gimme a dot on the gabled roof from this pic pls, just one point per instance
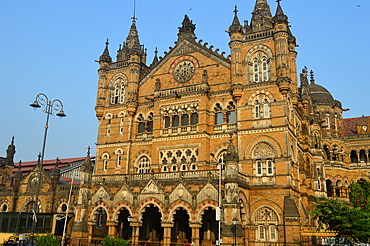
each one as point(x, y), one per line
point(350, 124)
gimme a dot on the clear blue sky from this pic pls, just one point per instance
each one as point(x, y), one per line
point(50, 46)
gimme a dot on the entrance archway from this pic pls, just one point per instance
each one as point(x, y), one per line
point(124, 228)
point(100, 227)
point(151, 228)
point(181, 231)
point(209, 232)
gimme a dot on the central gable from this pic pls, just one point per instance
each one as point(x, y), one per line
point(187, 64)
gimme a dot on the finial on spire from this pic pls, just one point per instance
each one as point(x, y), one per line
point(134, 17)
point(312, 76)
point(236, 9)
point(278, 1)
point(107, 42)
point(88, 151)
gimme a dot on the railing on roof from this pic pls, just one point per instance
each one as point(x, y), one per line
point(165, 176)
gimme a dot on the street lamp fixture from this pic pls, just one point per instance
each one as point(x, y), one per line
point(235, 223)
point(219, 209)
point(129, 218)
point(50, 106)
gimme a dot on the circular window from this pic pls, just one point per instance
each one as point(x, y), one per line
point(184, 71)
point(4, 208)
point(64, 208)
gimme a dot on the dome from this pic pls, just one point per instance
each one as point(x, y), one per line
point(320, 95)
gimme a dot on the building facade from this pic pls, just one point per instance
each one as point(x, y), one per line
point(195, 133)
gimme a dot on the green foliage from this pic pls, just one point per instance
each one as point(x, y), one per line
point(351, 221)
point(111, 241)
point(47, 240)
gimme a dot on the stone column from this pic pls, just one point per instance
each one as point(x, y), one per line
point(90, 225)
point(195, 229)
point(167, 233)
point(112, 228)
point(135, 232)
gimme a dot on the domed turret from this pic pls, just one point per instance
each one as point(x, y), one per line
point(320, 95)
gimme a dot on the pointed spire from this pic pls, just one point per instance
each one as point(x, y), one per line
point(55, 173)
point(231, 154)
point(10, 153)
point(87, 166)
point(280, 17)
point(155, 59)
point(312, 76)
point(105, 57)
point(187, 29)
point(235, 26)
point(39, 160)
point(261, 16)
point(18, 173)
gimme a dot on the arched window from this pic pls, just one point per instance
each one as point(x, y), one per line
point(175, 121)
point(141, 125)
point(363, 156)
point(354, 157)
point(118, 92)
point(150, 122)
point(266, 221)
point(194, 119)
point(231, 113)
point(105, 162)
point(260, 68)
point(184, 120)
point(219, 115)
point(144, 165)
point(261, 107)
point(30, 207)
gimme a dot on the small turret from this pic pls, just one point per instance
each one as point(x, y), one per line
point(87, 169)
point(235, 25)
point(10, 153)
point(155, 59)
point(105, 57)
point(280, 17)
point(55, 172)
point(186, 31)
point(18, 176)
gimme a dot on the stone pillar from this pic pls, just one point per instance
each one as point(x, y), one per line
point(112, 228)
point(135, 232)
point(195, 229)
point(90, 225)
point(167, 233)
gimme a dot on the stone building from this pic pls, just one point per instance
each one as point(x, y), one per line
point(171, 132)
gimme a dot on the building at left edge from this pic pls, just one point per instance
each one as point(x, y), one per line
point(18, 185)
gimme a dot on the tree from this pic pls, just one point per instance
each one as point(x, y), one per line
point(47, 240)
point(351, 220)
point(111, 241)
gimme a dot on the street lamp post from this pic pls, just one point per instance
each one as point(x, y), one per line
point(50, 106)
point(219, 210)
point(235, 222)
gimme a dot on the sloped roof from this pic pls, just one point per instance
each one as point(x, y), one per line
point(47, 164)
point(350, 124)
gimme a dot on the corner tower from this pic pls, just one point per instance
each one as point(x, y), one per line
point(117, 96)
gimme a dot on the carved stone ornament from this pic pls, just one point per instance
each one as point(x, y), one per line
point(263, 150)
